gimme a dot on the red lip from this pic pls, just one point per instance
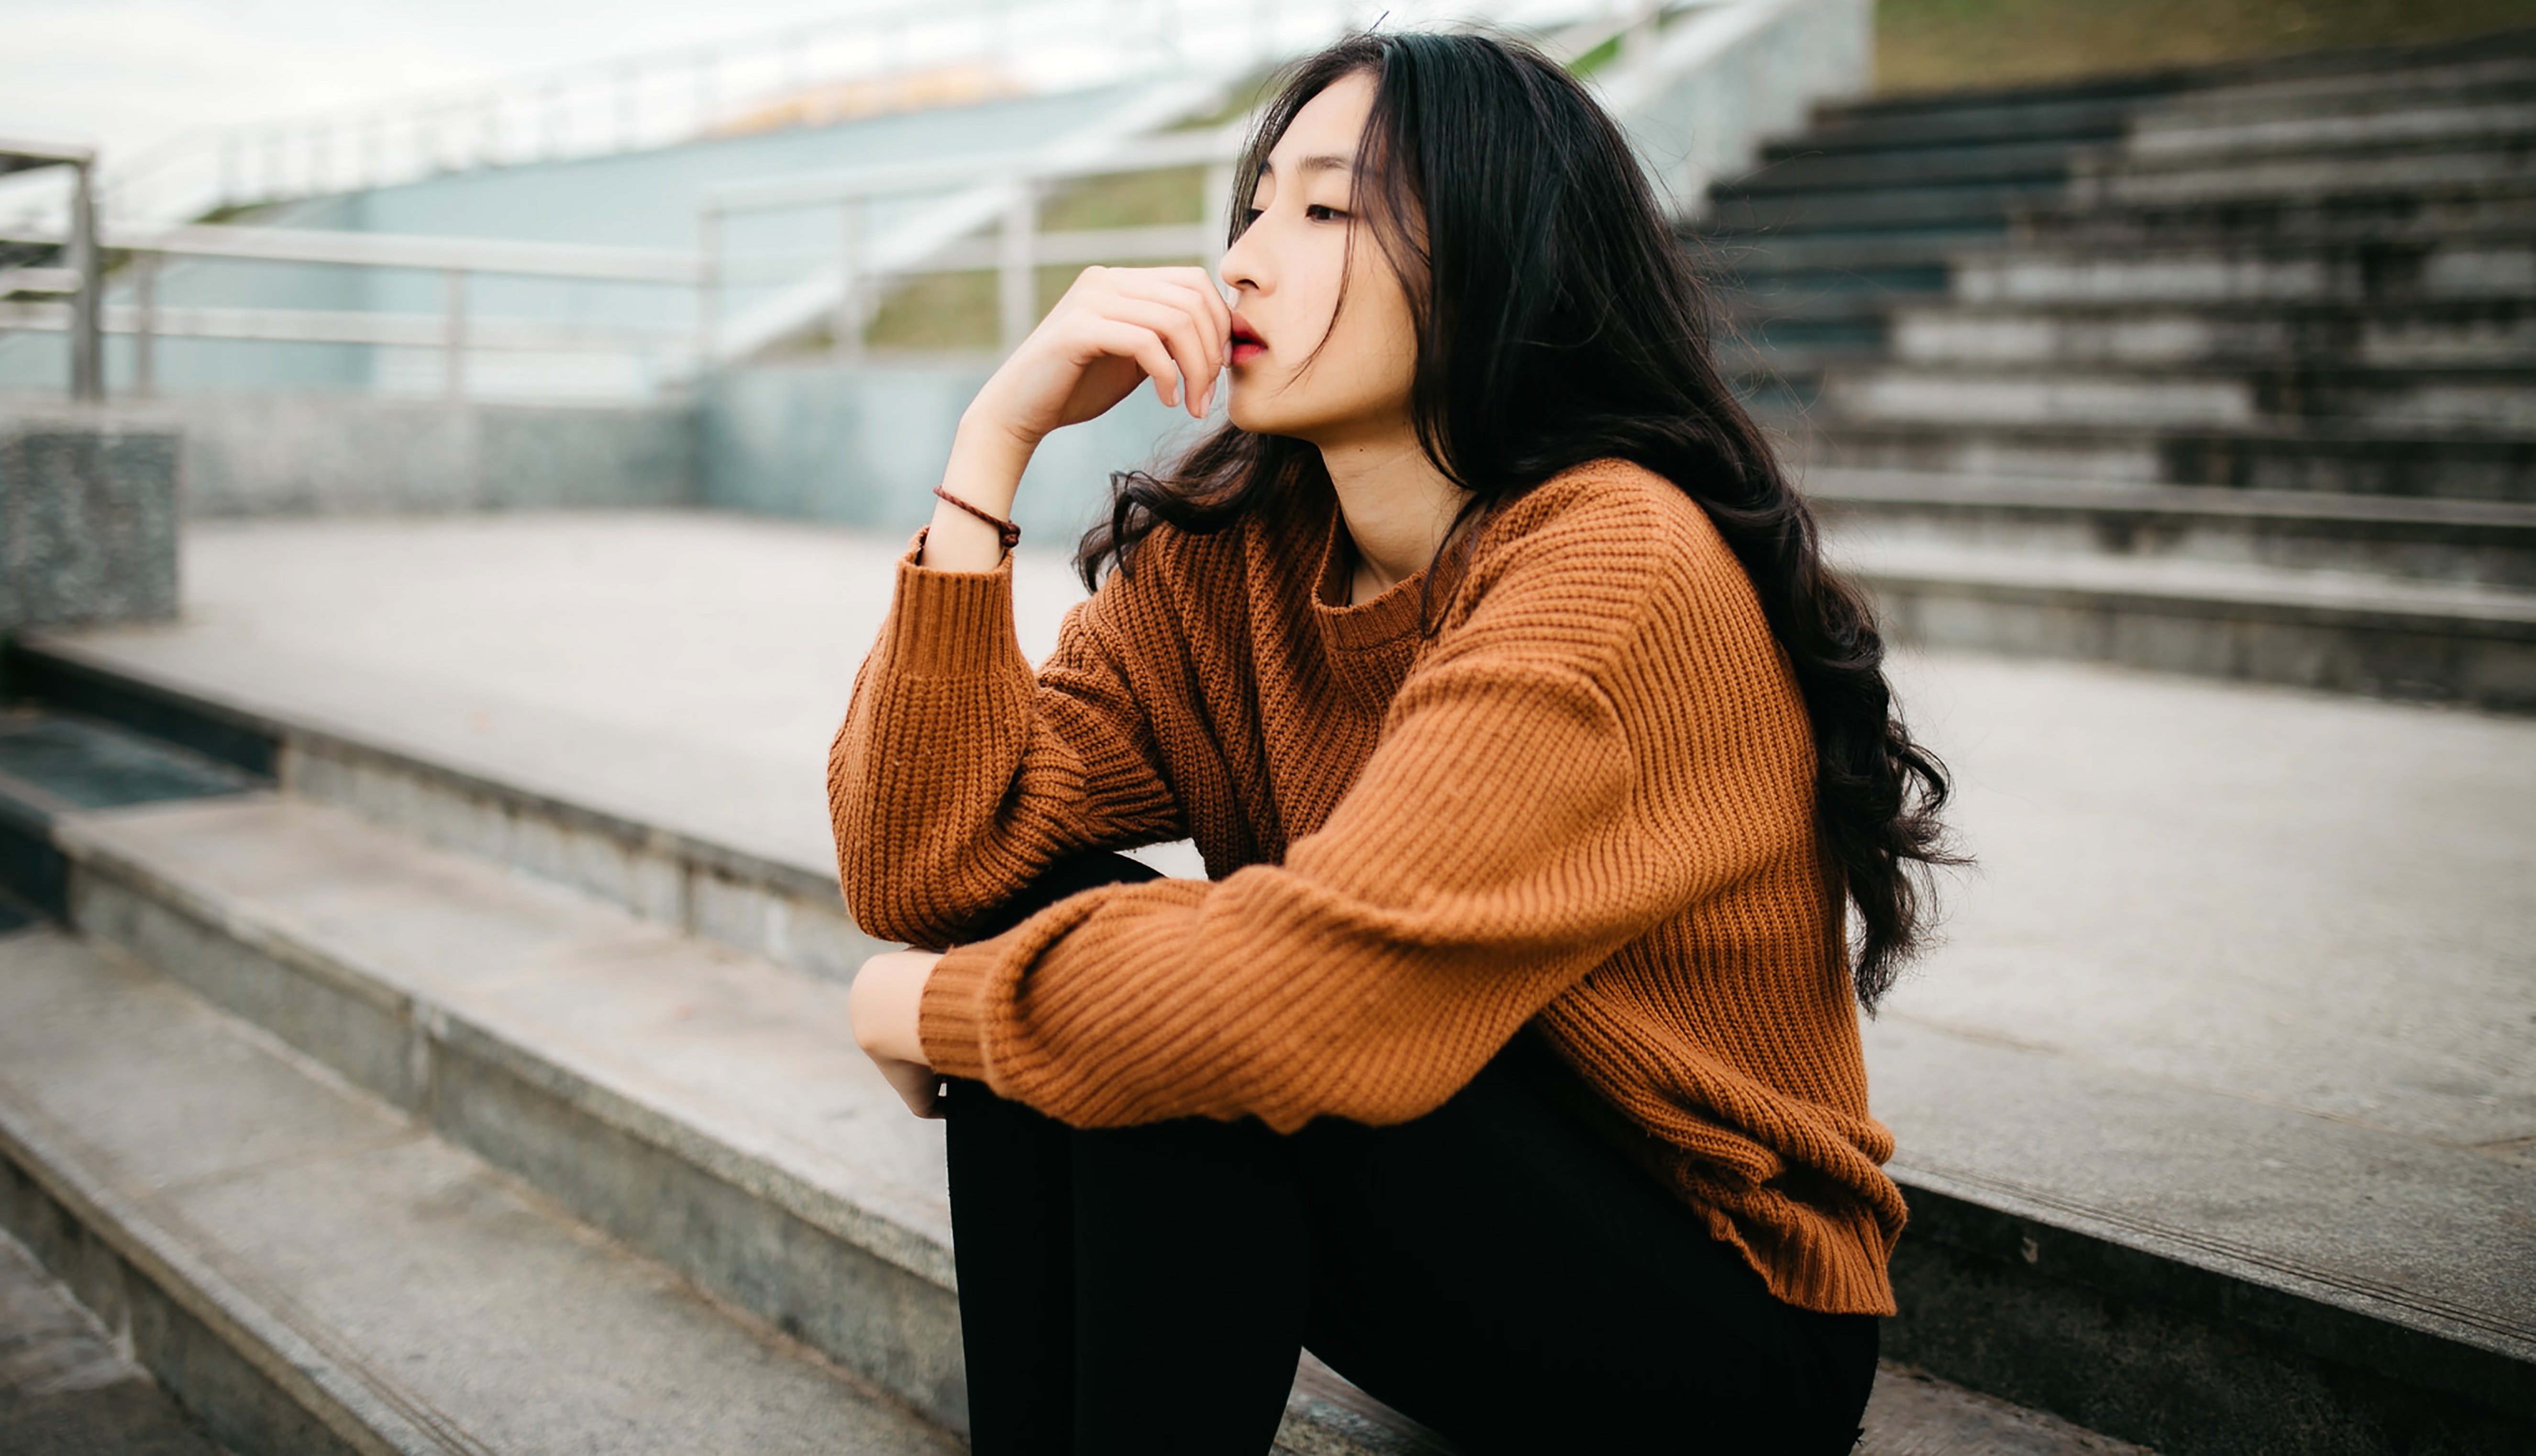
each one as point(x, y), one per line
point(1246, 343)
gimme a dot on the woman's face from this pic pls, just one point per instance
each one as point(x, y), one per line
point(1285, 272)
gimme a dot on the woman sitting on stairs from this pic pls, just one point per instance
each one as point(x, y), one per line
point(1553, 806)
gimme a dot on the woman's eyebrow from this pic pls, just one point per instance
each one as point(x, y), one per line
point(1327, 162)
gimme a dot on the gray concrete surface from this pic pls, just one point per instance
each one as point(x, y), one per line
point(356, 1270)
point(2240, 964)
point(88, 519)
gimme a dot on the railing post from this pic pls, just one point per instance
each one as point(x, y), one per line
point(708, 287)
point(1017, 281)
point(453, 332)
point(145, 333)
point(848, 327)
point(88, 306)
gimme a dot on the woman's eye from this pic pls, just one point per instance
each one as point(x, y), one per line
point(1250, 215)
point(1320, 214)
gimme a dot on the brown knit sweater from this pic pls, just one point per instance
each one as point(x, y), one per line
point(1583, 802)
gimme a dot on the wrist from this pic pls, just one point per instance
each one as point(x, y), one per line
point(987, 458)
point(885, 1003)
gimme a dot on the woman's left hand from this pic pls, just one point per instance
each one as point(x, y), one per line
point(883, 1005)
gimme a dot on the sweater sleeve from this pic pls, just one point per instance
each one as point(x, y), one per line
point(1504, 839)
point(959, 775)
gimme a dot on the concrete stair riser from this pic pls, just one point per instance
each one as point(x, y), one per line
point(1857, 212)
point(2456, 465)
point(2019, 161)
point(817, 1264)
point(2483, 336)
point(1848, 133)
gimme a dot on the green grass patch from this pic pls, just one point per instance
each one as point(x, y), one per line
point(1925, 45)
point(1162, 198)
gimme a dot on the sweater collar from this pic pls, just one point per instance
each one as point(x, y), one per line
point(1366, 625)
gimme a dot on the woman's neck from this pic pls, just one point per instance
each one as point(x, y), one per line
point(1398, 508)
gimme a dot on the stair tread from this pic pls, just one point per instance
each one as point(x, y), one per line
point(1839, 484)
point(2450, 606)
point(441, 1306)
point(740, 1064)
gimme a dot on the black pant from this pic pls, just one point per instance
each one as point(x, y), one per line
point(1496, 1269)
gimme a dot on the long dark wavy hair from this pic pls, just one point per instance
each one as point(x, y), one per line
point(1559, 322)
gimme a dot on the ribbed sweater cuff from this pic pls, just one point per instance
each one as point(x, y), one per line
point(950, 623)
point(950, 1020)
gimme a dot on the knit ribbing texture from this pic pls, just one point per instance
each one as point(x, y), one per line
point(1578, 797)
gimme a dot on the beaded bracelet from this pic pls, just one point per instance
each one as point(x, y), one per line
point(1011, 533)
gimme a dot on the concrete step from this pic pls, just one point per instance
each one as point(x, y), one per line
point(2396, 214)
point(2500, 268)
point(2076, 116)
point(67, 1386)
point(1854, 214)
point(308, 1271)
point(2188, 1190)
point(705, 1109)
point(2500, 116)
point(2499, 79)
point(2481, 333)
point(2478, 543)
point(2309, 456)
point(1727, 256)
point(2020, 160)
point(2196, 397)
point(2338, 631)
point(2307, 175)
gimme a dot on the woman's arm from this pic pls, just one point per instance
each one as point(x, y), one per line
point(1590, 751)
point(958, 773)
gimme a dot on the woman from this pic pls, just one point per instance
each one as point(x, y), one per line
point(1507, 1059)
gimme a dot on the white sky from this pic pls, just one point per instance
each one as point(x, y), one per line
point(126, 75)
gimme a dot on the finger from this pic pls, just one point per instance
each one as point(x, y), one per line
point(1212, 291)
point(1180, 332)
point(1145, 346)
point(1187, 288)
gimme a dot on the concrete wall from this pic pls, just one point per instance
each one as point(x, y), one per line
point(860, 446)
point(320, 454)
point(864, 446)
point(88, 521)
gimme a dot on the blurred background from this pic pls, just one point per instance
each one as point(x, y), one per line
point(453, 460)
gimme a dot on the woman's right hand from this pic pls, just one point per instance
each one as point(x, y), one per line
point(1115, 329)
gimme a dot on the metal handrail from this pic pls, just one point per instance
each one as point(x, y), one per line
point(452, 330)
point(596, 261)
